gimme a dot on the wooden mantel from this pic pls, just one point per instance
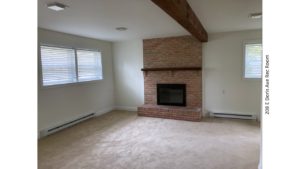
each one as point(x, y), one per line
point(181, 11)
point(171, 68)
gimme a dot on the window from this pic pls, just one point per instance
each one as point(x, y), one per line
point(89, 65)
point(67, 65)
point(58, 65)
point(253, 60)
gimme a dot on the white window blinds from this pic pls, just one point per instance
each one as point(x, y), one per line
point(253, 61)
point(89, 65)
point(67, 65)
point(58, 65)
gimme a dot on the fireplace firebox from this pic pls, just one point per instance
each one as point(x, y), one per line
point(171, 94)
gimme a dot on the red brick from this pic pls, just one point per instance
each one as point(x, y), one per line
point(183, 51)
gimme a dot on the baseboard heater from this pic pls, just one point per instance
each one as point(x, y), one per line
point(235, 116)
point(65, 125)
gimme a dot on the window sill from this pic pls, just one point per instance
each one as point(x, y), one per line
point(252, 79)
point(69, 84)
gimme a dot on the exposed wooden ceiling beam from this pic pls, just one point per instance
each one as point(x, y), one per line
point(181, 11)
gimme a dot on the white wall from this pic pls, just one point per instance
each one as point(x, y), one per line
point(222, 71)
point(123, 84)
point(129, 80)
point(62, 103)
point(224, 88)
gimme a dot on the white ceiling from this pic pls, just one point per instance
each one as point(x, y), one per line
point(99, 18)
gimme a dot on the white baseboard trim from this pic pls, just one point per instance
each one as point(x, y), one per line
point(126, 108)
point(103, 111)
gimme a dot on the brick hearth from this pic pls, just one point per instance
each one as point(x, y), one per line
point(170, 112)
point(174, 52)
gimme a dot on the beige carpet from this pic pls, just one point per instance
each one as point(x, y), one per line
point(122, 140)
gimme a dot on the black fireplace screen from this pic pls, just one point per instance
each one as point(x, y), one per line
point(171, 94)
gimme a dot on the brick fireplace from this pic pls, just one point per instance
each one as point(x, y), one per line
point(177, 61)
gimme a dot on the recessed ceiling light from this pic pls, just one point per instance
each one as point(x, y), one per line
point(56, 6)
point(257, 15)
point(121, 28)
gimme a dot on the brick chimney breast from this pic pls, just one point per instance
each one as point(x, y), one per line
point(173, 52)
